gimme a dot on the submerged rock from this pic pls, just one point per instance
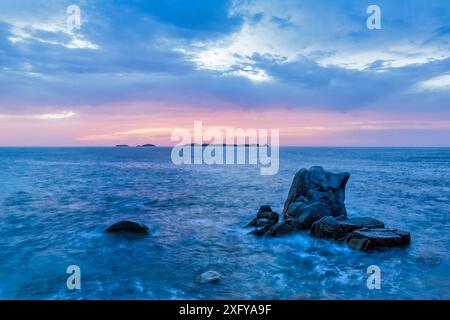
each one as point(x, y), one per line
point(372, 239)
point(209, 277)
point(338, 228)
point(127, 226)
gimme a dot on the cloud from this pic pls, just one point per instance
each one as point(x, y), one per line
point(44, 116)
point(435, 84)
point(48, 26)
point(398, 56)
point(251, 54)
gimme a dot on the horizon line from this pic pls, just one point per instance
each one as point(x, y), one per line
point(168, 146)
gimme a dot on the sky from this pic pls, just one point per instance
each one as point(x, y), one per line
point(134, 71)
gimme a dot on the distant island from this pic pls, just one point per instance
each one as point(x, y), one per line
point(147, 145)
point(227, 145)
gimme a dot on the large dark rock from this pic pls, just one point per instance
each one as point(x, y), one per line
point(317, 185)
point(127, 226)
point(372, 239)
point(316, 201)
point(338, 228)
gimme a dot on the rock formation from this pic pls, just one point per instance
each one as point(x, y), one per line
point(316, 202)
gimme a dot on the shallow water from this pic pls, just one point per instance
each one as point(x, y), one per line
point(56, 202)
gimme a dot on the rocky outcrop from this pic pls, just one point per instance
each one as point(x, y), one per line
point(316, 202)
point(127, 226)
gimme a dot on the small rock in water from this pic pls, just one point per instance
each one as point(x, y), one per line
point(127, 226)
point(265, 218)
point(209, 277)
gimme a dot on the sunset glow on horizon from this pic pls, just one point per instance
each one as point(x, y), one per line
point(297, 127)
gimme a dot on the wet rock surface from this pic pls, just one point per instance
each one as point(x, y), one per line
point(332, 228)
point(372, 239)
point(316, 202)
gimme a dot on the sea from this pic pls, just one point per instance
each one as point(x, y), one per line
point(55, 204)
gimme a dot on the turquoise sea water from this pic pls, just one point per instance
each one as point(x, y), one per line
point(56, 202)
